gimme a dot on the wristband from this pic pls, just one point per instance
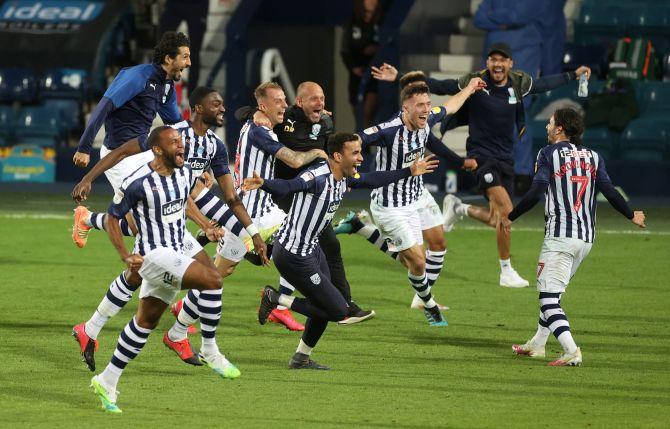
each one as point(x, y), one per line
point(252, 230)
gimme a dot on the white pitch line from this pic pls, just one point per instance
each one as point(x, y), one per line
point(467, 228)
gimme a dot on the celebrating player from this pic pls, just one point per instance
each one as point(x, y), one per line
point(568, 174)
point(318, 192)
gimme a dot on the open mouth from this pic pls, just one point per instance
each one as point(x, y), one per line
point(179, 157)
point(497, 72)
point(356, 165)
point(219, 117)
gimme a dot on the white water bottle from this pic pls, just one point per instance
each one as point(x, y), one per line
point(583, 90)
point(451, 182)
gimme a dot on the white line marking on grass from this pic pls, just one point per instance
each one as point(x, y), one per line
point(10, 215)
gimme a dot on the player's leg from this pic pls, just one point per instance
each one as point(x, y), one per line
point(355, 223)
point(118, 294)
point(330, 246)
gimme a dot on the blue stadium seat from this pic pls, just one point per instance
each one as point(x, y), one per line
point(38, 125)
point(602, 140)
point(646, 139)
point(17, 84)
point(656, 98)
point(64, 83)
point(69, 111)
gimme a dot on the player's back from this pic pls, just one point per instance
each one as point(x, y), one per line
point(570, 207)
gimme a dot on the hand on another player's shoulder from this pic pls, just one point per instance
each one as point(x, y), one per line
point(639, 218)
point(251, 183)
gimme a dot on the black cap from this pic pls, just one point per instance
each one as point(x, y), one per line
point(500, 48)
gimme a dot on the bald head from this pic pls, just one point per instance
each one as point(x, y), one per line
point(311, 100)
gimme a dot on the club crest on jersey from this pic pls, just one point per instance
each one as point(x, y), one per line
point(315, 278)
point(200, 150)
point(371, 130)
point(167, 90)
point(172, 210)
point(315, 131)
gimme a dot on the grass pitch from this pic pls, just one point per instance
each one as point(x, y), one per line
point(393, 371)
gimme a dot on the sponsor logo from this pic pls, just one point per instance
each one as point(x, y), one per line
point(198, 163)
point(413, 155)
point(566, 152)
point(172, 207)
point(153, 86)
point(315, 278)
point(290, 127)
point(488, 178)
point(48, 16)
point(371, 130)
point(332, 208)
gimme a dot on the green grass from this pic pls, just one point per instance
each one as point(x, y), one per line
point(393, 371)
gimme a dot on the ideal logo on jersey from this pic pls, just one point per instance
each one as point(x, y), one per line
point(48, 16)
point(172, 211)
point(412, 156)
point(198, 164)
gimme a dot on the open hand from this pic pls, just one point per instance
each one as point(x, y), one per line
point(251, 183)
point(384, 72)
point(583, 70)
point(639, 218)
point(425, 165)
point(261, 119)
point(261, 249)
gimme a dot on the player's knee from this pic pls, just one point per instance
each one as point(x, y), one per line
point(213, 280)
point(147, 322)
point(437, 245)
point(338, 313)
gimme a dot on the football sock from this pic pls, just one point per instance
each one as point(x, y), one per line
point(187, 316)
point(542, 335)
point(550, 305)
point(129, 345)
point(117, 296)
point(420, 285)
point(209, 308)
point(462, 209)
point(285, 288)
point(505, 265)
point(304, 348)
point(434, 264)
point(374, 236)
point(97, 221)
point(286, 300)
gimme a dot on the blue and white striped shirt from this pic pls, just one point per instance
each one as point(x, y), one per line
point(158, 206)
point(255, 152)
point(203, 152)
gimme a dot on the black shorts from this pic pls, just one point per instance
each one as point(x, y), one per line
point(493, 172)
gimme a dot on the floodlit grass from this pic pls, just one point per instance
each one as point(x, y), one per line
point(393, 371)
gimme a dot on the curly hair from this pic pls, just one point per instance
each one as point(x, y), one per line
point(572, 123)
point(169, 45)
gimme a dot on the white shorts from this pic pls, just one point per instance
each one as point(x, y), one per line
point(430, 214)
point(559, 260)
point(126, 167)
point(402, 225)
point(163, 270)
point(233, 248)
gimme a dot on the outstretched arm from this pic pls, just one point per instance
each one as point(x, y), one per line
point(547, 83)
point(456, 101)
point(377, 179)
point(279, 188)
point(298, 159)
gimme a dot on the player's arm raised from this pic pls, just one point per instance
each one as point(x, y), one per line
point(456, 101)
point(376, 179)
point(83, 188)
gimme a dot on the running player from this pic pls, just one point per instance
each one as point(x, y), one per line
point(165, 258)
point(569, 175)
point(318, 192)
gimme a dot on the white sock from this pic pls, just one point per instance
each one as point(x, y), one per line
point(286, 301)
point(430, 303)
point(209, 346)
point(462, 209)
point(94, 325)
point(567, 342)
point(178, 331)
point(304, 348)
point(541, 336)
point(110, 376)
point(505, 265)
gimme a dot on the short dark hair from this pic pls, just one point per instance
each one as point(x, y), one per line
point(411, 77)
point(169, 45)
point(413, 89)
point(572, 123)
point(198, 95)
point(336, 142)
point(155, 135)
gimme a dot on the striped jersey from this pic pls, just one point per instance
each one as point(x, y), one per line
point(399, 148)
point(573, 174)
point(158, 206)
point(203, 152)
point(312, 210)
point(255, 152)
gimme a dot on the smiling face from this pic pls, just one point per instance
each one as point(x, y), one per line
point(311, 100)
point(416, 110)
point(212, 110)
point(175, 66)
point(273, 104)
point(498, 66)
point(350, 158)
point(170, 148)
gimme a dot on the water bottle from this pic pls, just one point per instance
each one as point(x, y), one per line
point(583, 90)
point(451, 182)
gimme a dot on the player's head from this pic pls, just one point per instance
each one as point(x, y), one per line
point(499, 62)
point(173, 53)
point(311, 100)
point(411, 77)
point(415, 99)
point(271, 101)
point(565, 124)
point(207, 103)
point(166, 144)
point(345, 150)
